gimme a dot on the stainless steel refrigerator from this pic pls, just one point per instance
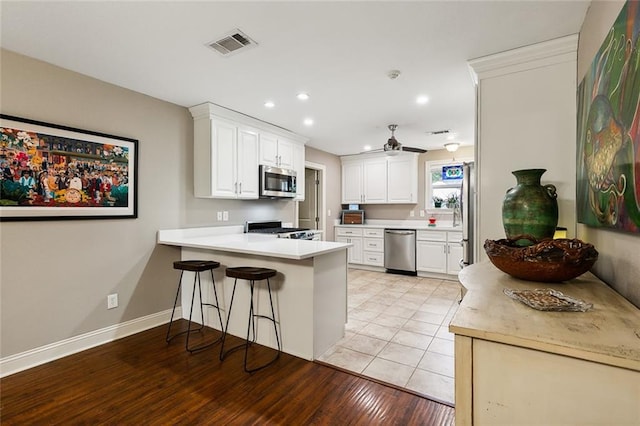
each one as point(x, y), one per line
point(468, 206)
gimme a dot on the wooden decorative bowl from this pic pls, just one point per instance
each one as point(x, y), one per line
point(544, 261)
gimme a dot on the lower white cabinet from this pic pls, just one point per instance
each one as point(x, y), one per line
point(368, 244)
point(454, 252)
point(438, 251)
point(353, 236)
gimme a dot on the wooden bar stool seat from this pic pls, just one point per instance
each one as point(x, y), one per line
point(251, 274)
point(196, 266)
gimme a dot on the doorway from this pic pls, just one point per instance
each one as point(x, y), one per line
point(310, 211)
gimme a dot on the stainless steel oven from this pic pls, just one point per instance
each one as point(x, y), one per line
point(276, 182)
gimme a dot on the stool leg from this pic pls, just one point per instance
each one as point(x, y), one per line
point(224, 334)
point(251, 325)
point(273, 315)
point(175, 302)
point(215, 295)
point(193, 296)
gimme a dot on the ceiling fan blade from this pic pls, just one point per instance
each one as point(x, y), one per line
point(411, 149)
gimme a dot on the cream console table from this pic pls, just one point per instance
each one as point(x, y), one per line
point(518, 366)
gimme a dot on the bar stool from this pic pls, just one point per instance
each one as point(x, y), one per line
point(196, 266)
point(251, 274)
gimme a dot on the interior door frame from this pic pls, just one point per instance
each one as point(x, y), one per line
point(322, 209)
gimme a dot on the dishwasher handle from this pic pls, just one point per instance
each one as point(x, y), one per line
point(399, 232)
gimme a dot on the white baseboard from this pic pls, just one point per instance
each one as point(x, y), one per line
point(33, 357)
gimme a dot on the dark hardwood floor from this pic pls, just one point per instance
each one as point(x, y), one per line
point(143, 381)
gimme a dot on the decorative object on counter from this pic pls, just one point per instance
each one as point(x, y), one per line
point(530, 208)
point(548, 300)
point(453, 200)
point(352, 217)
point(432, 221)
point(437, 202)
point(544, 261)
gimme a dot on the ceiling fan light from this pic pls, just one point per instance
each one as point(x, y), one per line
point(452, 147)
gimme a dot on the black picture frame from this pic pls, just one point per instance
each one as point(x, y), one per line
point(55, 172)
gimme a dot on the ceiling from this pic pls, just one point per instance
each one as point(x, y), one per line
point(340, 53)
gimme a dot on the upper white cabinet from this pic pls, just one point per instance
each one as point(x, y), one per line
point(275, 151)
point(228, 148)
point(379, 179)
point(402, 179)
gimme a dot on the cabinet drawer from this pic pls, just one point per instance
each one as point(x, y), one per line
point(373, 258)
point(432, 236)
point(454, 237)
point(373, 232)
point(349, 232)
point(374, 244)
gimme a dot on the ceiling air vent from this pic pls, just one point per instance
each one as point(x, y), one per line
point(232, 42)
point(438, 132)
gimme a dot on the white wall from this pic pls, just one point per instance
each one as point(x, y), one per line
point(619, 260)
point(527, 116)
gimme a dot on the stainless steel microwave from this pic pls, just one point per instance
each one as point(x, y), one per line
point(277, 183)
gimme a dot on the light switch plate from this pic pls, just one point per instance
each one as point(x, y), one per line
point(219, 216)
point(225, 216)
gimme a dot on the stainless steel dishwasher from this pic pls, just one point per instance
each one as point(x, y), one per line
point(400, 250)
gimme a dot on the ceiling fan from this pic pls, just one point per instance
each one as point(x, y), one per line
point(393, 147)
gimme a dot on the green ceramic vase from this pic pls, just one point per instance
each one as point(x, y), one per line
point(530, 208)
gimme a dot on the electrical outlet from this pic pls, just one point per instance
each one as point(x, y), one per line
point(329, 212)
point(112, 301)
point(421, 213)
point(219, 216)
point(225, 216)
point(412, 213)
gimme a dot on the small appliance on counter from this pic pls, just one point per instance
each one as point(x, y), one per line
point(352, 217)
point(275, 227)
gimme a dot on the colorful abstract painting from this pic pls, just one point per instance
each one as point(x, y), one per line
point(608, 154)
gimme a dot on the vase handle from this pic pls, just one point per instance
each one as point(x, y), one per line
point(551, 190)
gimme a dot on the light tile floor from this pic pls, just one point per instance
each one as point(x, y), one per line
point(397, 332)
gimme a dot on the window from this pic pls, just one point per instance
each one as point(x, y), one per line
point(443, 179)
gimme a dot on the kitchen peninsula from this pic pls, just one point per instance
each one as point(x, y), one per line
point(310, 290)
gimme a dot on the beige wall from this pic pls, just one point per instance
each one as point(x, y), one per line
point(403, 211)
point(333, 185)
point(55, 275)
point(619, 262)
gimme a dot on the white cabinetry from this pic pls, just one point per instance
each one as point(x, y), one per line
point(225, 159)
point(364, 181)
point(276, 151)
point(379, 179)
point(227, 150)
point(373, 246)
point(454, 252)
point(353, 236)
point(402, 179)
point(431, 251)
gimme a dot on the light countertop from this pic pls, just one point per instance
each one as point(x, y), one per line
point(609, 333)
point(230, 239)
point(419, 225)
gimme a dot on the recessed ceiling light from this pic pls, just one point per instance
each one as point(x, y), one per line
point(367, 148)
point(308, 121)
point(269, 104)
point(302, 96)
point(421, 100)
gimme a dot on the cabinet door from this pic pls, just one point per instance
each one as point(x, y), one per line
point(402, 181)
point(268, 150)
point(454, 257)
point(224, 159)
point(352, 182)
point(298, 166)
point(286, 154)
point(374, 181)
point(431, 256)
point(354, 253)
point(247, 164)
